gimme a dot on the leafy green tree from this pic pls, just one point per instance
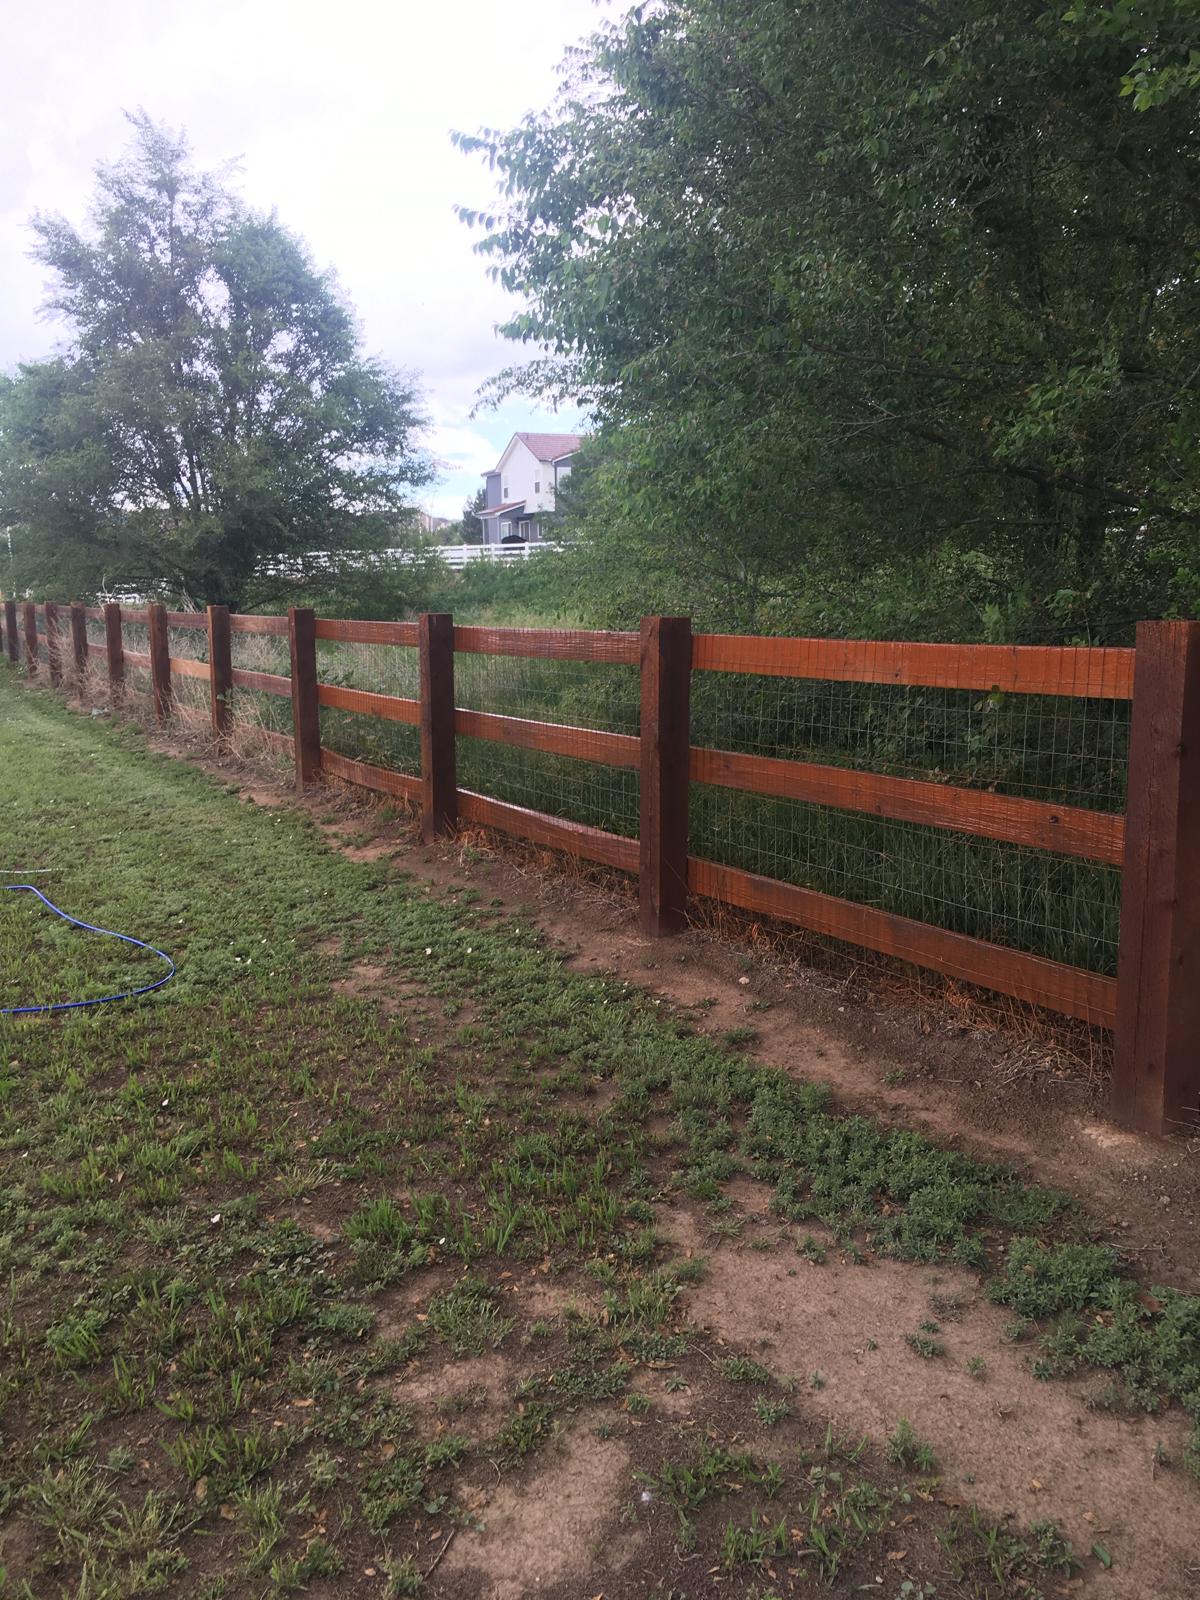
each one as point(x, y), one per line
point(868, 292)
point(1161, 39)
point(213, 428)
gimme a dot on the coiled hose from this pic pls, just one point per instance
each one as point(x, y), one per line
point(104, 999)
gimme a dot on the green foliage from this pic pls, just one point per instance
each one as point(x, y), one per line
point(401, 1483)
point(378, 587)
point(917, 1199)
point(213, 429)
point(525, 1431)
point(740, 1369)
point(928, 1349)
point(886, 327)
point(712, 1472)
point(536, 592)
point(1159, 37)
point(751, 1545)
point(468, 529)
point(468, 1319)
point(1039, 1281)
point(1020, 1563)
point(1152, 1339)
point(905, 1448)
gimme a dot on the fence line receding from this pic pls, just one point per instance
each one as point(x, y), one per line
point(1024, 819)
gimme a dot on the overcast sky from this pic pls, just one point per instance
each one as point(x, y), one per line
point(340, 113)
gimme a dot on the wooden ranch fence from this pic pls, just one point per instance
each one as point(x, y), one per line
point(1152, 1005)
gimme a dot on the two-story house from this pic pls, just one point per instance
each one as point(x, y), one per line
point(522, 487)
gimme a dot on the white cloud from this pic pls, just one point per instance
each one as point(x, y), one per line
point(341, 117)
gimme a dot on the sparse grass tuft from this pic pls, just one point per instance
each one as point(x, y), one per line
point(906, 1449)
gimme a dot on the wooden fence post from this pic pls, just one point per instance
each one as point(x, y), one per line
point(53, 643)
point(439, 767)
point(666, 666)
point(1156, 1057)
point(160, 660)
point(31, 644)
point(114, 649)
point(306, 710)
point(220, 670)
point(10, 630)
point(79, 642)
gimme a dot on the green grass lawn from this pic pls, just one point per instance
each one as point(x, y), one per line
point(237, 1217)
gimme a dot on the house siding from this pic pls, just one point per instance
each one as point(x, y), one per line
point(526, 479)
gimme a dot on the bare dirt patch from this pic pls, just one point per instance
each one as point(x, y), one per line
point(366, 980)
point(542, 1297)
point(368, 852)
point(468, 1397)
point(551, 1529)
point(1018, 1446)
point(267, 795)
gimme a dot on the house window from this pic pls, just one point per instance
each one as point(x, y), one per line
point(537, 486)
point(504, 492)
point(505, 529)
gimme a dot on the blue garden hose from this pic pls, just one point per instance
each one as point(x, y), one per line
point(77, 1005)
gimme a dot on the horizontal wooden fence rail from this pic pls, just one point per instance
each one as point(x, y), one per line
point(1070, 830)
point(550, 644)
point(1069, 990)
point(1153, 1004)
point(368, 776)
point(186, 667)
point(1085, 671)
point(260, 682)
point(403, 633)
point(584, 744)
point(392, 708)
point(277, 626)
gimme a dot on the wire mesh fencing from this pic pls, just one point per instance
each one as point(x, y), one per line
point(1058, 749)
point(1054, 747)
point(598, 696)
point(95, 688)
point(137, 692)
point(386, 669)
point(187, 641)
point(60, 645)
point(259, 719)
point(41, 650)
point(1065, 750)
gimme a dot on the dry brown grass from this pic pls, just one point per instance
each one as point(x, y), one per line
point(1064, 1045)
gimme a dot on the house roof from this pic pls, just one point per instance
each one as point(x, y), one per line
point(496, 511)
point(551, 446)
point(547, 447)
